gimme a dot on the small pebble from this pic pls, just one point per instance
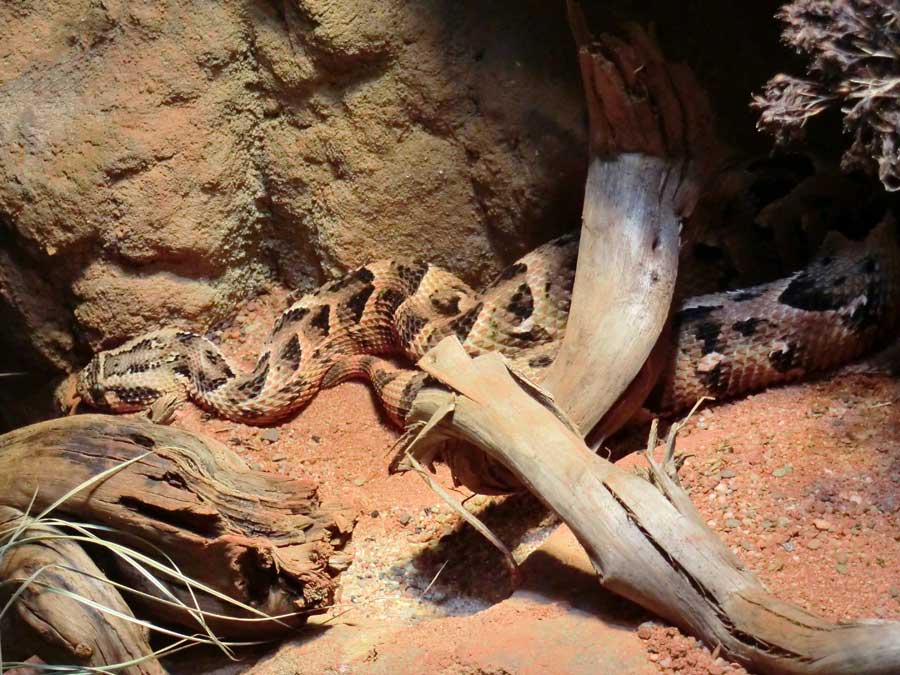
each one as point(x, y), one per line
point(841, 568)
point(359, 482)
point(775, 565)
point(404, 518)
point(645, 630)
point(822, 524)
point(814, 544)
point(728, 473)
point(270, 435)
point(782, 471)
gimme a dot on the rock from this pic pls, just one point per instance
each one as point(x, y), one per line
point(162, 177)
point(404, 518)
point(775, 565)
point(270, 435)
point(645, 630)
point(814, 544)
point(728, 473)
point(821, 524)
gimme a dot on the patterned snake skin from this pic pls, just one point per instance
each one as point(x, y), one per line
point(837, 308)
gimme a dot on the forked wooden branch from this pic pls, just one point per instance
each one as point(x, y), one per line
point(261, 539)
point(644, 537)
point(645, 546)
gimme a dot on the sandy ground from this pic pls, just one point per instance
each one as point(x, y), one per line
point(803, 482)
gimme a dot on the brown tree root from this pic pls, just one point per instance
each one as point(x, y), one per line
point(56, 627)
point(261, 539)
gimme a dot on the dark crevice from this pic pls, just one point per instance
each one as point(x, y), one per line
point(201, 524)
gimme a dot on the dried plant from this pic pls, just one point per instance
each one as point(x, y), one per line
point(854, 63)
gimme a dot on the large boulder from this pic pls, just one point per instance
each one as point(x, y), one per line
point(159, 162)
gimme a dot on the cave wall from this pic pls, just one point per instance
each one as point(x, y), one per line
point(160, 161)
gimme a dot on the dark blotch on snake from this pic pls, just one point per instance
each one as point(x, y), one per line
point(321, 319)
point(357, 302)
point(291, 353)
point(521, 305)
point(747, 327)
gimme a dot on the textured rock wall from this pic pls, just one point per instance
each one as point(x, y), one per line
point(161, 161)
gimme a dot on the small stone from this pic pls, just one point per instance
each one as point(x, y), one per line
point(841, 568)
point(814, 544)
point(404, 518)
point(645, 630)
point(728, 473)
point(374, 514)
point(783, 471)
point(822, 524)
point(359, 482)
point(732, 523)
point(895, 592)
point(783, 521)
point(315, 439)
point(789, 546)
point(775, 565)
point(270, 435)
point(280, 457)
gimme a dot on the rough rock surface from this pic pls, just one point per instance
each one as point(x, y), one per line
point(160, 162)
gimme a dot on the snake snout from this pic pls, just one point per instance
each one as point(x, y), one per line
point(89, 389)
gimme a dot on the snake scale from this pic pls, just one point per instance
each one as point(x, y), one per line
point(725, 344)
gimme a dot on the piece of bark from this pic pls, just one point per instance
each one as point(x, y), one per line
point(53, 626)
point(262, 539)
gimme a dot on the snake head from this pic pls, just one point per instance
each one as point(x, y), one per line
point(89, 387)
point(98, 390)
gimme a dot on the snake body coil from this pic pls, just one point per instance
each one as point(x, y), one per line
point(726, 344)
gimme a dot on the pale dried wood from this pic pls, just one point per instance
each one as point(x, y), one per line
point(644, 537)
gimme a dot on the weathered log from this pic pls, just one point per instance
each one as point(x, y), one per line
point(645, 538)
point(54, 626)
point(261, 539)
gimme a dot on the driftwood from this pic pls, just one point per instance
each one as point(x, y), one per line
point(56, 627)
point(644, 536)
point(261, 539)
